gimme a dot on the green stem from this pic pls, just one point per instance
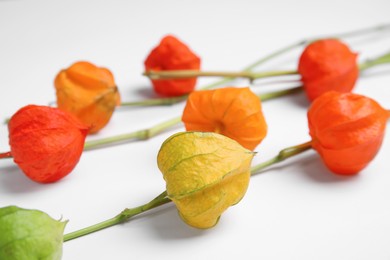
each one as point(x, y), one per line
point(179, 74)
point(383, 59)
point(374, 62)
point(280, 93)
point(124, 216)
point(377, 28)
point(137, 135)
point(5, 155)
point(244, 73)
point(163, 198)
point(156, 101)
point(283, 154)
point(174, 100)
point(262, 60)
point(153, 131)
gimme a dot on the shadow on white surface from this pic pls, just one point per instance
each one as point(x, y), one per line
point(168, 225)
point(299, 100)
point(165, 224)
point(377, 73)
point(314, 169)
point(311, 168)
point(13, 180)
point(146, 92)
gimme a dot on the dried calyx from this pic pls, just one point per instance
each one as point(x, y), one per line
point(347, 130)
point(88, 92)
point(233, 112)
point(327, 65)
point(46, 142)
point(172, 54)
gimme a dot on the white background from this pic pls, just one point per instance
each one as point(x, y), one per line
point(296, 210)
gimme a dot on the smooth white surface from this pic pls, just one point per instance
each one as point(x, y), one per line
point(296, 210)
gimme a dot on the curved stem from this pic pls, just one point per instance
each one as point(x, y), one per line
point(354, 33)
point(246, 72)
point(179, 74)
point(262, 60)
point(385, 58)
point(163, 198)
point(5, 155)
point(137, 135)
point(283, 154)
point(306, 41)
point(120, 218)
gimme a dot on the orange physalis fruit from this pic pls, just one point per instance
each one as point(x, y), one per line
point(233, 112)
point(172, 54)
point(46, 142)
point(88, 92)
point(347, 130)
point(327, 65)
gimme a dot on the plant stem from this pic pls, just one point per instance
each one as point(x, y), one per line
point(163, 198)
point(174, 100)
point(124, 216)
point(280, 93)
point(262, 60)
point(252, 76)
point(283, 154)
point(5, 155)
point(153, 131)
point(385, 58)
point(138, 135)
point(303, 42)
point(179, 74)
point(156, 101)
